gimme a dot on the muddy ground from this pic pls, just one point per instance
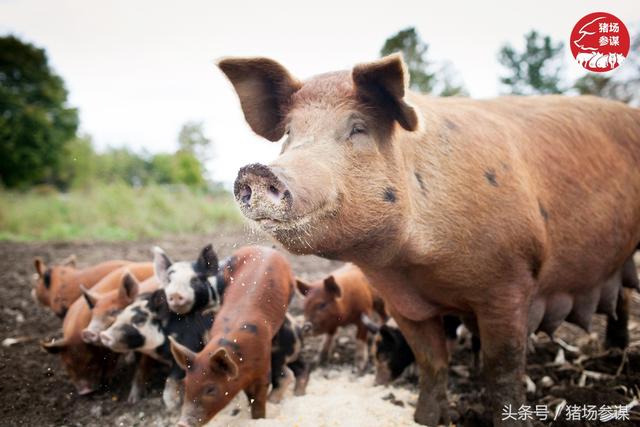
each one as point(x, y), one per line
point(34, 390)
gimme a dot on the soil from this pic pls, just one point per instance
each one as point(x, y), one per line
point(34, 389)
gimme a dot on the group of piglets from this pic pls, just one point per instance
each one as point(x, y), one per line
point(220, 328)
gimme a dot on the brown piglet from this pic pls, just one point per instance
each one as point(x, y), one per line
point(238, 354)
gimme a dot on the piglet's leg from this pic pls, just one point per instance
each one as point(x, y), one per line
point(427, 340)
point(327, 345)
point(284, 379)
point(139, 379)
point(362, 354)
point(171, 393)
point(503, 333)
point(257, 394)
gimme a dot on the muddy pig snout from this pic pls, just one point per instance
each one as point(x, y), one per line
point(261, 194)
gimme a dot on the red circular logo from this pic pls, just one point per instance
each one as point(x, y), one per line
point(599, 42)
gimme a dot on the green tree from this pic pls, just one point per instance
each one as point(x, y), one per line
point(421, 76)
point(35, 120)
point(192, 139)
point(536, 69)
point(78, 164)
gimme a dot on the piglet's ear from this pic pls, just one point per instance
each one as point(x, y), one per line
point(383, 83)
point(265, 89)
point(181, 354)
point(161, 263)
point(207, 262)
point(303, 287)
point(129, 287)
point(222, 363)
point(332, 287)
point(40, 266)
point(90, 297)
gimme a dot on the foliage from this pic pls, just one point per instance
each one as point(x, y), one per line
point(421, 76)
point(192, 139)
point(536, 69)
point(113, 212)
point(35, 121)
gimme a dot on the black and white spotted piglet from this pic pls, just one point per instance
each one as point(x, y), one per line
point(144, 327)
point(190, 285)
point(287, 362)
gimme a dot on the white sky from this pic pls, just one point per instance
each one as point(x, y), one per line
point(138, 69)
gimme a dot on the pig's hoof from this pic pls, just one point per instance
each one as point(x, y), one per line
point(275, 398)
point(428, 415)
point(133, 398)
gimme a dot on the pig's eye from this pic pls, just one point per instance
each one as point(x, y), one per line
point(210, 390)
point(322, 306)
point(357, 129)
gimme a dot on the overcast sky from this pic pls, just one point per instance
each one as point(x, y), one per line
point(138, 69)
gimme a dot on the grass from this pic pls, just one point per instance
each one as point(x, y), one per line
point(113, 212)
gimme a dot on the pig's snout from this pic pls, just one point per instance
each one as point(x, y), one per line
point(107, 340)
point(261, 194)
point(89, 336)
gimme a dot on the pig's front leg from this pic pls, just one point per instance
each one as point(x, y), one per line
point(138, 384)
point(427, 340)
point(257, 394)
point(503, 333)
point(171, 393)
point(327, 345)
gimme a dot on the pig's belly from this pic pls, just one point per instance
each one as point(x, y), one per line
point(548, 310)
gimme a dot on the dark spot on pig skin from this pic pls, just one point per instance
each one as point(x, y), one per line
point(543, 212)
point(420, 181)
point(226, 329)
point(390, 195)
point(131, 337)
point(535, 265)
point(490, 174)
point(450, 125)
point(226, 343)
point(250, 327)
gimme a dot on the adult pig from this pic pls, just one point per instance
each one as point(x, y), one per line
point(518, 212)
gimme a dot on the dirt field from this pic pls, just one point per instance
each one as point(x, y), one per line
point(34, 389)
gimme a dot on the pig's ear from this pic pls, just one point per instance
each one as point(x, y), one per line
point(303, 287)
point(161, 263)
point(265, 89)
point(90, 297)
point(54, 346)
point(207, 262)
point(384, 82)
point(332, 287)
point(40, 266)
point(181, 354)
point(129, 287)
point(222, 363)
point(69, 261)
point(369, 323)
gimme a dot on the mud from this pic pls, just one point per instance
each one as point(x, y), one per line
point(34, 389)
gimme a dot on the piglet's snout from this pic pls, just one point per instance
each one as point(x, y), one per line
point(89, 336)
point(261, 194)
point(107, 340)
